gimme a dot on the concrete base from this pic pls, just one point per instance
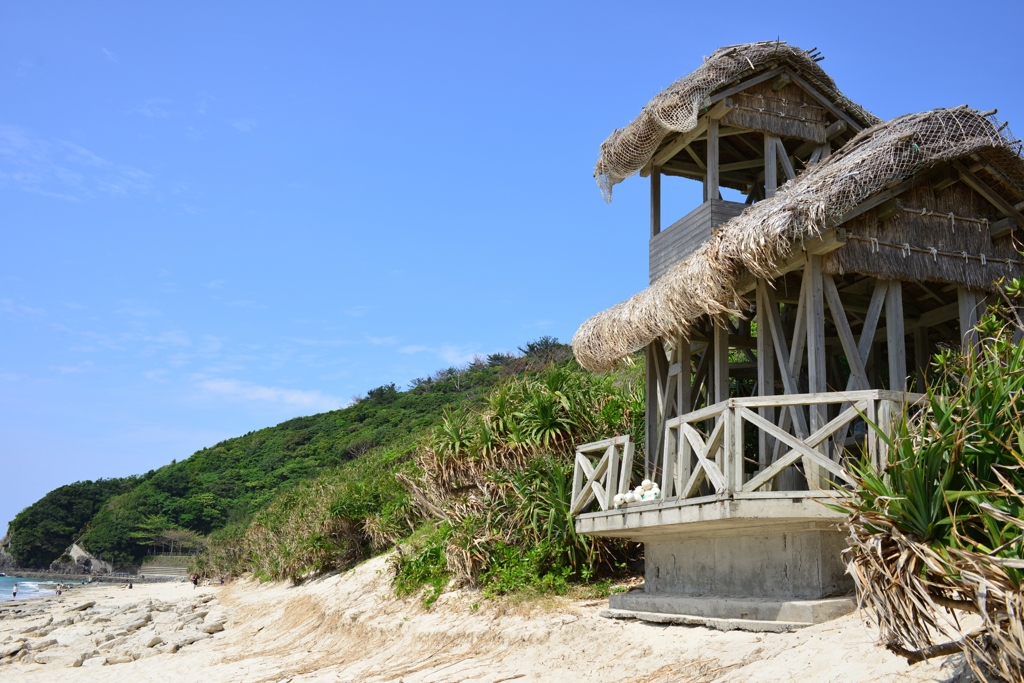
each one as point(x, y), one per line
point(726, 614)
point(759, 563)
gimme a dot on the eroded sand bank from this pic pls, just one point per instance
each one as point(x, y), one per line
point(350, 628)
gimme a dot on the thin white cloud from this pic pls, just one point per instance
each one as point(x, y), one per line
point(244, 125)
point(449, 353)
point(457, 355)
point(109, 54)
point(62, 169)
point(247, 391)
point(152, 108)
point(74, 369)
point(414, 348)
point(382, 341)
point(216, 284)
point(137, 310)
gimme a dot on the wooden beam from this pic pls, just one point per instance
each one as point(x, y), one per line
point(781, 82)
point(834, 130)
point(894, 336)
point(976, 184)
point(825, 102)
point(828, 241)
point(945, 178)
point(675, 146)
point(846, 338)
point(787, 167)
point(655, 201)
point(711, 185)
point(771, 165)
point(782, 356)
point(697, 160)
point(765, 372)
point(721, 363)
point(656, 375)
point(742, 165)
point(1003, 227)
point(743, 85)
point(815, 312)
point(888, 209)
point(920, 357)
point(971, 305)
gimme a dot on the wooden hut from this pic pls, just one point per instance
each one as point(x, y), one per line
point(772, 326)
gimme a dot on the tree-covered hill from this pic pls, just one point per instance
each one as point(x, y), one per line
point(228, 483)
point(47, 527)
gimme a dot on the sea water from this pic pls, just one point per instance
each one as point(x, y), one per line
point(27, 588)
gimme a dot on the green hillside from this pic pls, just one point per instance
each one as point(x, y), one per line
point(227, 484)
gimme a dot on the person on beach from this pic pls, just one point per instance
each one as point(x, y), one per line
point(195, 581)
point(14, 593)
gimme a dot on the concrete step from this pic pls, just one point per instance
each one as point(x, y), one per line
point(171, 566)
point(728, 613)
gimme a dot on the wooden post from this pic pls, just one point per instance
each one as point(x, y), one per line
point(816, 364)
point(771, 166)
point(711, 185)
point(657, 372)
point(655, 200)
point(921, 356)
point(765, 372)
point(684, 387)
point(971, 307)
point(894, 336)
point(721, 362)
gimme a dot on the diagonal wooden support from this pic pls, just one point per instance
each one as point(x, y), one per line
point(840, 421)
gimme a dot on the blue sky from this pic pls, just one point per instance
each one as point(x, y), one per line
point(217, 216)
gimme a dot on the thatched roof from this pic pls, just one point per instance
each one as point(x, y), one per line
point(676, 109)
point(753, 243)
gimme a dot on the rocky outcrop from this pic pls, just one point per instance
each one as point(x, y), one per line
point(7, 560)
point(77, 560)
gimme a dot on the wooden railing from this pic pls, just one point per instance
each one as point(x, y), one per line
point(608, 477)
point(712, 453)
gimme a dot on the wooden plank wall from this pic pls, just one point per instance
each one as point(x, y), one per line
point(683, 237)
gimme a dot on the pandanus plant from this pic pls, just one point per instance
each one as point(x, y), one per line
point(939, 534)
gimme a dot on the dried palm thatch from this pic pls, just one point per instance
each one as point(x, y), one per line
point(754, 243)
point(676, 109)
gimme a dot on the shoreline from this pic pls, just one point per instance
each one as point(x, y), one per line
point(96, 578)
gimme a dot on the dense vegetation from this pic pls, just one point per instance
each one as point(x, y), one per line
point(42, 532)
point(482, 497)
point(224, 487)
point(939, 532)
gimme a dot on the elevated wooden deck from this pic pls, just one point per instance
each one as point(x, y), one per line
point(710, 476)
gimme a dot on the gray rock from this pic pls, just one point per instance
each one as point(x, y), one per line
point(40, 644)
point(84, 606)
point(136, 625)
point(12, 648)
point(154, 641)
point(214, 627)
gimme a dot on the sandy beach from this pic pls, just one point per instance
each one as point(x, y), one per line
point(349, 627)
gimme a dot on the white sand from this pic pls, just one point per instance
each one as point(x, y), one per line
point(350, 628)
